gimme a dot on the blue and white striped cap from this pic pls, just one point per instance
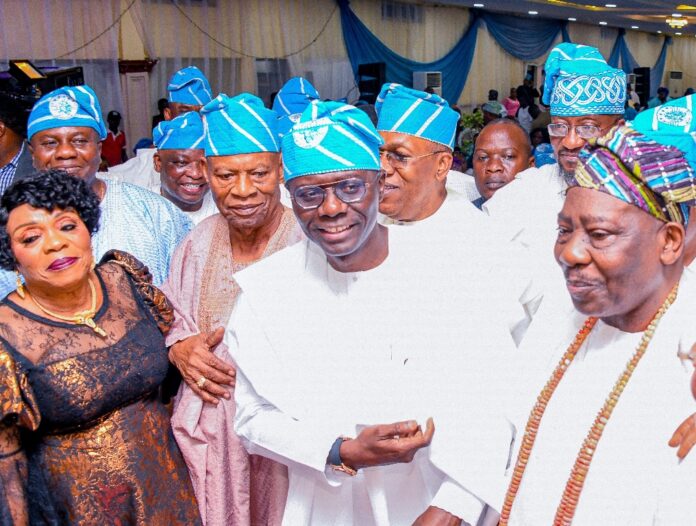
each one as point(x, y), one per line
point(66, 107)
point(426, 115)
point(182, 133)
point(237, 125)
point(189, 86)
point(291, 101)
point(330, 137)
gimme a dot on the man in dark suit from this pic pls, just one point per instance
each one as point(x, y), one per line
point(15, 159)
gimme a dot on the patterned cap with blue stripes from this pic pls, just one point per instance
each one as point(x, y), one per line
point(240, 124)
point(291, 101)
point(67, 107)
point(330, 137)
point(189, 86)
point(580, 82)
point(426, 115)
point(182, 133)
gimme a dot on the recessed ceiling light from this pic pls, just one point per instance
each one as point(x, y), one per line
point(634, 27)
point(533, 12)
point(609, 5)
point(571, 19)
point(659, 32)
point(678, 34)
point(676, 15)
point(602, 23)
point(478, 5)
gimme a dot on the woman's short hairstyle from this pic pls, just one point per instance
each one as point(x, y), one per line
point(50, 190)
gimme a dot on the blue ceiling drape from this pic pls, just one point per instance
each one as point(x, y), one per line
point(621, 52)
point(525, 38)
point(521, 37)
point(364, 47)
point(659, 68)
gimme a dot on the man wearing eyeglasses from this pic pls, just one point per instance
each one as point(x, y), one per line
point(347, 343)
point(419, 130)
point(586, 98)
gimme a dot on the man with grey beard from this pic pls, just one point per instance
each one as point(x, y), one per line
point(586, 98)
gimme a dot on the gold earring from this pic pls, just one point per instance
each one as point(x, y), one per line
point(20, 285)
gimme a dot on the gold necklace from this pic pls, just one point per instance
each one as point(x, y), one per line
point(85, 317)
point(571, 495)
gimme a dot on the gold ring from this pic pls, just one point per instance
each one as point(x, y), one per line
point(201, 382)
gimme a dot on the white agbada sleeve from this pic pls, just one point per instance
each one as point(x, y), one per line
point(265, 429)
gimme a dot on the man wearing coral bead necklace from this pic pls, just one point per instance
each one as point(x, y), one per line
point(592, 446)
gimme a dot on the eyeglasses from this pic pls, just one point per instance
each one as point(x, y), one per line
point(349, 191)
point(396, 160)
point(585, 131)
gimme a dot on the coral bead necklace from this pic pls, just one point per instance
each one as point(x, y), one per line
point(576, 480)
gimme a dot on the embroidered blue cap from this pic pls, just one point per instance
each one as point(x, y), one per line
point(189, 86)
point(291, 101)
point(672, 124)
point(330, 137)
point(413, 112)
point(66, 107)
point(182, 133)
point(240, 124)
point(580, 82)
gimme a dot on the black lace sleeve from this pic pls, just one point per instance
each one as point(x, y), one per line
point(18, 408)
point(154, 298)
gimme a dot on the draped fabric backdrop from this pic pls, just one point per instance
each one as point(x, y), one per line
point(256, 45)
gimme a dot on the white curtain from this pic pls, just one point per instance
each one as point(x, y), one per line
point(66, 33)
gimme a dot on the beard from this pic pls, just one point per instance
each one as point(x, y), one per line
point(567, 176)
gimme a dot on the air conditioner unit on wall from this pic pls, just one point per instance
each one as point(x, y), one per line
point(428, 79)
point(675, 83)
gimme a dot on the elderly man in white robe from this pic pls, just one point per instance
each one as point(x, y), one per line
point(337, 336)
point(595, 448)
point(418, 129)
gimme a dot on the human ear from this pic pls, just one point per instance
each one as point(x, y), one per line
point(157, 162)
point(671, 236)
point(444, 164)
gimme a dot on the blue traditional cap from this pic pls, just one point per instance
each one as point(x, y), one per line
point(413, 112)
point(65, 107)
point(185, 132)
point(331, 137)
point(291, 101)
point(580, 82)
point(189, 86)
point(494, 107)
point(240, 124)
point(672, 124)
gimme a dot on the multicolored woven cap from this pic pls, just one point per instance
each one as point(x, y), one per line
point(637, 170)
point(580, 82)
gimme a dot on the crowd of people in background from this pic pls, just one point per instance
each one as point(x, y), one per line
point(319, 313)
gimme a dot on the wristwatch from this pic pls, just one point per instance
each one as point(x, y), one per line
point(334, 459)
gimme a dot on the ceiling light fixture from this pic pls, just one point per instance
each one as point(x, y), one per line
point(571, 19)
point(678, 34)
point(602, 23)
point(634, 27)
point(609, 5)
point(533, 12)
point(478, 5)
point(676, 23)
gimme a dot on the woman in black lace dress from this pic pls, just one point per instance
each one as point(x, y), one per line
point(84, 432)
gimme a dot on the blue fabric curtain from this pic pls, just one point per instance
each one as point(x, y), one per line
point(620, 52)
point(659, 68)
point(364, 47)
point(524, 38)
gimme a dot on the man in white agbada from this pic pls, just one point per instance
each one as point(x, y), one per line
point(620, 245)
point(586, 97)
point(65, 130)
point(180, 161)
point(418, 129)
point(188, 90)
point(355, 328)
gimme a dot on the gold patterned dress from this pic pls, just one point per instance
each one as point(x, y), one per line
point(96, 446)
